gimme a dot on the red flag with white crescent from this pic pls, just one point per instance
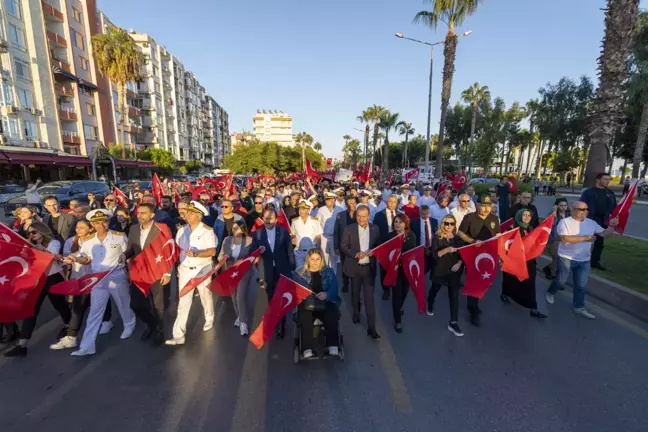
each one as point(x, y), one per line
point(481, 266)
point(282, 220)
point(225, 283)
point(202, 277)
point(411, 175)
point(512, 184)
point(258, 223)
point(536, 241)
point(158, 191)
point(10, 236)
point(287, 296)
point(507, 225)
point(22, 274)
point(120, 197)
point(622, 210)
point(83, 285)
point(154, 261)
point(511, 251)
point(176, 196)
point(388, 255)
point(413, 262)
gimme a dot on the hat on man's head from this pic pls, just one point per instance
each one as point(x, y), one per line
point(305, 204)
point(196, 207)
point(313, 197)
point(99, 215)
point(405, 186)
point(485, 199)
point(329, 195)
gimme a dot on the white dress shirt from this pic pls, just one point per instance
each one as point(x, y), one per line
point(144, 235)
point(390, 219)
point(439, 213)
point(306, 233)
point(272, 234)
point(425, 225)
point(459, 214)
point(363, 235)
point(326, 219)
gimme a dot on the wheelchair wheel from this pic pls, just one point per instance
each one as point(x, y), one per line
point(296, 355)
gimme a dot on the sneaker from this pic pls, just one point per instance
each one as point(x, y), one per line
point(308, 354)
point(475, 320)
point(244, 329)
point(429, 310)
point(237, 322)
point(65, 343)
point(175, 341)
point(106, 326)
point(208, 325)
point(454, 328)
point(333, 350)
point(584, 312)
point(127, 332)
point(549, 297)
point(83, 352)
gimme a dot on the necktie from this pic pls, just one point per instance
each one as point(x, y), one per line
point(427, 234)
point(392, 218)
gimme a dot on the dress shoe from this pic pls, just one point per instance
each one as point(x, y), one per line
point(356, 318)
point(148, 332)
point(398, 327)
point(535, 313)
point(157, 339)
point(475, 320)
point(175, 341)
point(83, 352)
point(17, 351)
point(373, 334)
point(128, 332)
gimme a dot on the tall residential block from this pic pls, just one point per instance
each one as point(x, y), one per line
point(273, 125)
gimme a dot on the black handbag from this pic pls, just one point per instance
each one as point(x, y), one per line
point(313, 304)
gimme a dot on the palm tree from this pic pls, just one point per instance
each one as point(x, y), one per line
point(473, 95)
point(406, 129)
point(365, 118)
point(346, 139)
point(388, 121)
point(620, 21)
point(453, 13)
point(317, 146)
point(532, 109)
point(375, 113)
point(119, 59)
point(638, 88)
point(351, 151)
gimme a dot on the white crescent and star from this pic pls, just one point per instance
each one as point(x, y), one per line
point(289, 299)
point(418, 271)
point(19, 260)
point(6, 238)
point(86, 285)
point(488, 257)
point(507, 245)
point(548, 231)
point(172, 250)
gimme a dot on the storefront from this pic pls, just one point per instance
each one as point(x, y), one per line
point(24, 167)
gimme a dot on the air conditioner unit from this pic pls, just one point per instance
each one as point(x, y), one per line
point(12, 109)
point(34, 111)
point(4, 139)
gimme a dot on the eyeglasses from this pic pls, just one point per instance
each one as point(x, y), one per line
point(581, 209)
point(258, 202)
point(33, 232)
point(449, 224)
point(465, 200)
point(109, 200)
point(225, 207)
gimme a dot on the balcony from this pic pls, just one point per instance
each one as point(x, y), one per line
point(131, 93)
point(133, 112)
point(62, 64)
point(132, 128)
point(70, 137)
point(72, 149)
point(57, 40)
point(67, 114)
point(51, 13)
point(63, 90)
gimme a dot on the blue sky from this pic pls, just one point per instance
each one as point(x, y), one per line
point(324, 62)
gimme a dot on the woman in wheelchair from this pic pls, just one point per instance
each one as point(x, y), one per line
point(323, 305)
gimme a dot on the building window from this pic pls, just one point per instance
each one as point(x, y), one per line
point(25, 98)
point(78, 39)
point(115, 98)
point(13, 7)
point(16, 36)
point(10, 127)
point(22, 69)
point(90, 109)
point(31, 131)
point(7, 94)
point(91, 132)
point(76, 14)
point(84, 91)
point(84, 63)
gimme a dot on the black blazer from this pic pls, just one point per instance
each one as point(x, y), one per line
point(65, 223)
point(281, 261)
point(415, 227)
point(380, 220)
point(350, 246)
point(341, 222)
point(409, 241)
point(133, 247)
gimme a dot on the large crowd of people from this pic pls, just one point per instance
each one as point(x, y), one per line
point(319, 235)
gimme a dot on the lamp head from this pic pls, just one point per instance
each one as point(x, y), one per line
point(399, 35)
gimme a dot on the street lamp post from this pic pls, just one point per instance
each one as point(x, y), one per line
point(429, 113)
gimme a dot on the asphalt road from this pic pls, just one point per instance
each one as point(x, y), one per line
point(564, 374)
point(637, 226)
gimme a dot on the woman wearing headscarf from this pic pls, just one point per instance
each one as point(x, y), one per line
point(523, 293)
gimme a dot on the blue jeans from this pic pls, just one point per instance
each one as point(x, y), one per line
point(581, 271)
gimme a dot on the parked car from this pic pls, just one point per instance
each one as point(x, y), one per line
point(63, 190)
point(9, 191)
point(480, 180)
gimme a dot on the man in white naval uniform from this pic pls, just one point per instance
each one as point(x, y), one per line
point(340, 202)
point(306, 232)
point(427, 198)
point(197, 243)
point(326, 217)
point(104, 251)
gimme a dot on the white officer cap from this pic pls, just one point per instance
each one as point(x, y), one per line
point(313, 197)
point(99, 215)
point(329, 195)
point(304, 203)
point(196, 207)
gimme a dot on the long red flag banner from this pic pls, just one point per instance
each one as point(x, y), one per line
point(388, 255)
point(622, 210)
point(481, 266)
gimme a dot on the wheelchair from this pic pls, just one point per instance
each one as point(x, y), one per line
point(319, 333)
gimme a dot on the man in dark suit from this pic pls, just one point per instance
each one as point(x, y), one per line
point(384, 221)
point(149, 309)
point(60, 223)
point(342, 220)
point(277, 257)
point(359, 264)
point(424, 228)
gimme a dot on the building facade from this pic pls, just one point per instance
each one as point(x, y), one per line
point(273, 125)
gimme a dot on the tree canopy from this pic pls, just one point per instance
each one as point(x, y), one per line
point(256, 157)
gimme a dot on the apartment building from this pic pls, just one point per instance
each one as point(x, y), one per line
point(273, 125)
point(219, 131)
point(239, 138)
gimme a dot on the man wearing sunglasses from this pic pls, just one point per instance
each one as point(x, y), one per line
point(575, 252)
point(110, 202)
point(600, 201)
point(459, 212)
point(225, 223)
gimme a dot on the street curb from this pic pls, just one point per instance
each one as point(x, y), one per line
point(575, 195)
point(615, 295)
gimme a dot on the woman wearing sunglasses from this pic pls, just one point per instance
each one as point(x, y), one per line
point(42, 238)
point(401, 225)
point(522, 293)
point(447, 269)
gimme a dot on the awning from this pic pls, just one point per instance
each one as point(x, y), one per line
point(87, 84)
point(60, 71)
point(19, 158)
point(4, 159)
point(134, 164)
point(72, 160)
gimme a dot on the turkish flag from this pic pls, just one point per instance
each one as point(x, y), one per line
point(535, 242)
point(622, 210)
point(158, 191)
point(507, 225)
point(188, 187)
point(310, 172)
point(287, 296)
point(154, 261)
point(120, 197)
point(412, 174)
point(225, 283)
point(250, 184)
point(23, 272)
point(176, 196)
point(193, 283)
point(195, 193)
point(414, 269)
point(10, 236)
point(80, 286)
point(241, 211)
point(458, 181)
point(282, 220)
point(481, 266)
point(511, 251)
point(388, 255)
point(512, 184)
point(258, 223)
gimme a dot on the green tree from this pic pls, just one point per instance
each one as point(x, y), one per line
point(255, 157)
point(374, 113)
point(119, 152)
point(365, 118)
point(119, 59)
point(405, 128)
point(638, 88)
point(351, 151)
point(193, 166)
point(620, 22)
point(388, 121)
point(163, 160)
point(473, 95)
point(317, 146)
point(453, 13)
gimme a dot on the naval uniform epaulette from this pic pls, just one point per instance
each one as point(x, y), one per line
point(117, 233)
point(206, 226)
point(91, 236)
point(313, 218)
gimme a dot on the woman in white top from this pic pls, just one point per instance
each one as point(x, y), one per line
point(43, 239)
